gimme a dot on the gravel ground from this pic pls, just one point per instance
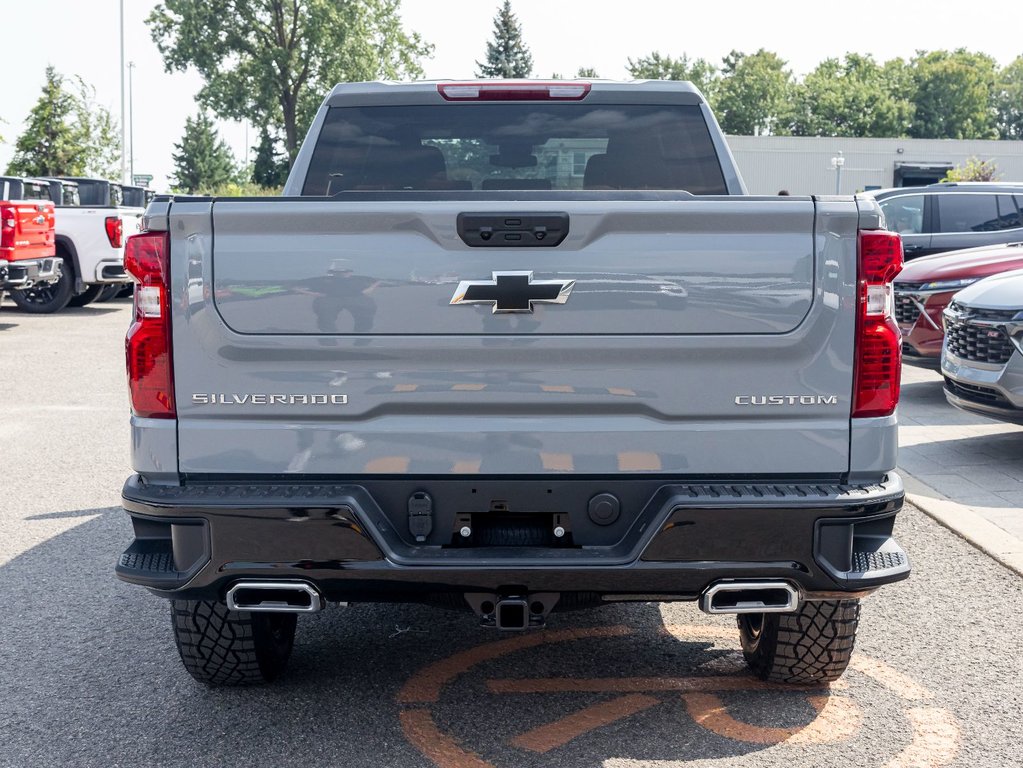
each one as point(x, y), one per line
point(89, 674)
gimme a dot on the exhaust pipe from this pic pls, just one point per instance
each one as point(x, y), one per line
point(750, 597)
point(274, 597)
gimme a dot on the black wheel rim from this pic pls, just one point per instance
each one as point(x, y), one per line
point(753, 624)
point(42, 295)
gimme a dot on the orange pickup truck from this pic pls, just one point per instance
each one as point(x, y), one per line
point(27, 246)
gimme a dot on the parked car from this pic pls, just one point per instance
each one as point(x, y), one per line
point(926, 285)
point(982, 360)
point(952, 216)
point(27, 247)
point(552, 397)
point(90, 244)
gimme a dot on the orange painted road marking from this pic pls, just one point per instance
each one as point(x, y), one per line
point(837, 720)
point(621, 391)
point(471, 467)
point(890, 678)
point(420, 729)
point(935, 740)
point(469, 387)
point(405, 388)
point(557, 388)
point(637, 685)
point(935, 732)
point(424, 687)
point(557, 734)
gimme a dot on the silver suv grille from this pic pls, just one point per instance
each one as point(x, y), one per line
point(979, 343)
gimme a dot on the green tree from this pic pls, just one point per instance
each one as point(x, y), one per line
point(754, 96)
point(270, 168)
point(203, 161)
point(66, 134)
point(271, 62)
point(854, 97)
point(1009, 101)
point(507, 54)
point(699, 72)
point(973, 169)
point(587, 72)
point(953, 95)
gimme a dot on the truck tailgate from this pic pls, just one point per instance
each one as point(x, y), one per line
point(700, 337)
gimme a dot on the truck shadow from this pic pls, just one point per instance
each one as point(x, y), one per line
point(89, 662)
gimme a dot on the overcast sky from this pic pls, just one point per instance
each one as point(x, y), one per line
point(80, 37)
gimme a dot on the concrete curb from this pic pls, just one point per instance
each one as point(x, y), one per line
point(960, 519)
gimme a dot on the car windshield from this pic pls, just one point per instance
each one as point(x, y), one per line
point(500, 146)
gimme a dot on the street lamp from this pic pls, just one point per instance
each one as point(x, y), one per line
point(123, 156)
point(836, 164)
point(131, 119)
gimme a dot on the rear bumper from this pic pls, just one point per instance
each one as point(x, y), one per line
point(195, 541)
point(111, 271)
point(24, 274)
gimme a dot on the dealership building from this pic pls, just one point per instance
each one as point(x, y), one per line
point(821, 165)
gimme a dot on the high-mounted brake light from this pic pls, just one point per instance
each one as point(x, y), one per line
point(148, 343)
point(115, 231)
point(564, 90)
point(877, 369)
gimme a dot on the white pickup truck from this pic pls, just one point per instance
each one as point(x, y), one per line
point(92, 225)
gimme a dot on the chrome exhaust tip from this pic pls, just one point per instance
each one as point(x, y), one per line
point(750, 597)
point(274, 597)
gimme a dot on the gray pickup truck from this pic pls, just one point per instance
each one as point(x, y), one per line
point(519, 348)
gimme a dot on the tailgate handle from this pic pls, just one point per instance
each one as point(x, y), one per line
point(512, 230)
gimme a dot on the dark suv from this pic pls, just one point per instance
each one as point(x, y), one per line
point(949, 217)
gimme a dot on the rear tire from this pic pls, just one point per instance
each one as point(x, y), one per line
point(108, 292)
point(47, 299)
point(810, 646)
point(222, 647)
point(89, 295)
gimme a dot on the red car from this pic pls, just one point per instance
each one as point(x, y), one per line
point(27, 245)
point(926, 285)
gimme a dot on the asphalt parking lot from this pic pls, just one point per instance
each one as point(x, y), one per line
point(89, 674)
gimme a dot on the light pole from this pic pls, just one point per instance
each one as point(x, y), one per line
point(131, 119)
point(123, 155)
point(836, 164)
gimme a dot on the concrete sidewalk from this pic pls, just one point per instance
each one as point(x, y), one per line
point(965, 471)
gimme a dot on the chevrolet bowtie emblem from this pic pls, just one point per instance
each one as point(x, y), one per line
point(512, 292)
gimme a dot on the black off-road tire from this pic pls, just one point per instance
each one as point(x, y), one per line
point(47, 299)
point(109, 292)
point(808, 647)
point(222, 647)
point(89, 295)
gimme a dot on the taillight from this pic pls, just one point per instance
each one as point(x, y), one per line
point(877, 370)
point(148, 343)
point(564, 90)
point(115, 231)
point(8, 225)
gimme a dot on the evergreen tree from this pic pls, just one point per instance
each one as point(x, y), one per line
point(587, 73)
point(507, 55)
point(270, 168)
point(53, 143)
point(203, 160)
point(67, 134)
